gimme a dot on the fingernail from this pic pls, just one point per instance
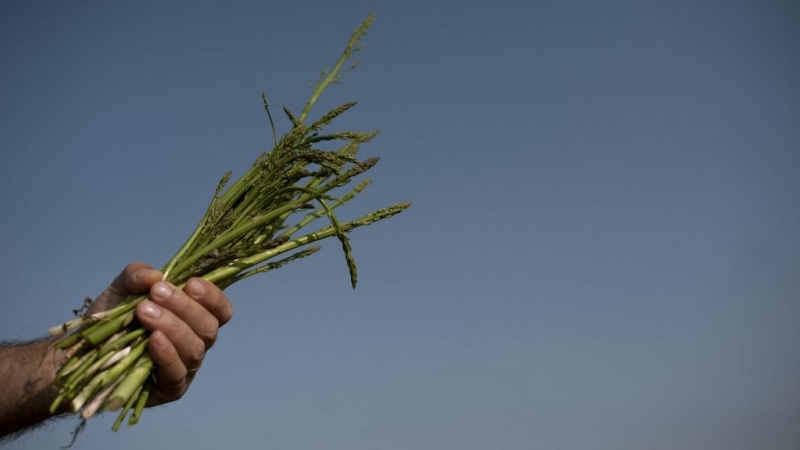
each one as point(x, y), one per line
point(151, 310)
point(197, 288)
point(161, 291)
point(139, 274)
point(142, 273)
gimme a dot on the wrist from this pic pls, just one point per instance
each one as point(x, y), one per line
point(28, 373)
point(54, 358)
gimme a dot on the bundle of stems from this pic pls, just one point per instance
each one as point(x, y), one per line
point(244, 230)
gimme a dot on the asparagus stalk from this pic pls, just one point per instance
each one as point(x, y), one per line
point(247, 229)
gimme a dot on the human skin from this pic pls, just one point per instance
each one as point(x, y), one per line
point(184, 324)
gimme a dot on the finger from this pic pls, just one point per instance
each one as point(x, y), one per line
point(194, 314)
point(211, 297)
point(136, 278)
point(190, 348)
point(171, 373)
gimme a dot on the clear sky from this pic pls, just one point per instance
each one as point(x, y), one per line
point(603, 251)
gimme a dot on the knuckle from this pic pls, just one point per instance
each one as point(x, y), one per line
point(181, 391)
point(175, 391)
point(170, 325)
point(210, 331)
point(228, 314)
point(195, 356)
point(131, 268)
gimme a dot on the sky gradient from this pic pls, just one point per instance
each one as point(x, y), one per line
point(602, 252)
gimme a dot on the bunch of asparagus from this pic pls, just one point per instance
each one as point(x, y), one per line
point(245, 228)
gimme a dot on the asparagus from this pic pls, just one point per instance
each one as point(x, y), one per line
point(243, 232)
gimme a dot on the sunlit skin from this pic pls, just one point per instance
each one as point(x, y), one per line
point(184, 324)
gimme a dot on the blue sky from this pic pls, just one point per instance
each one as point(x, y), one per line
point(602, 252)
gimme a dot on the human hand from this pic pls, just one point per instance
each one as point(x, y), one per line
point(183, 324)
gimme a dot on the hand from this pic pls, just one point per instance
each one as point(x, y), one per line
point(183, 324)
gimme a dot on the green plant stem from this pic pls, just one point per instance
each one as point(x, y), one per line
point(334, 73)
point(122, 341)
point(269, 266)
point(131, 384)
point(232, 270)
point(69, 341)
point(73, 363)
point(185, 247)
point(231, 235)
point(90, 371)
point(141, 403)
point(98, 334)
point(126, 409)
point(87, 360)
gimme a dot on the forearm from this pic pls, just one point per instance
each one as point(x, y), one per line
point(27, 374)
